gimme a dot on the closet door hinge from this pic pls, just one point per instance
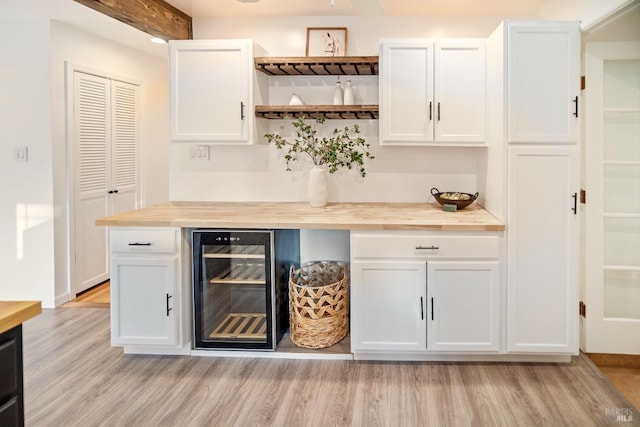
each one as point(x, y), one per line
point(582, 309)
point(583, 196)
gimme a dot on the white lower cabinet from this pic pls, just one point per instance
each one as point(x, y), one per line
point(142, 291)
point(543, 249)
point(388, 306)
point(463, 306)
point(146, 296)
point(426, 293)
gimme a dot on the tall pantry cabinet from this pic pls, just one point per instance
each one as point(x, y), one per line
point(535, 123)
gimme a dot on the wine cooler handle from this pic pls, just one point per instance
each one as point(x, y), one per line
point(168, 308)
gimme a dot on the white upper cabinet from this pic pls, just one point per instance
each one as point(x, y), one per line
point(211, 85)
point(543, 82)
point(406, 92)
point(433, 92)
point(460, 91)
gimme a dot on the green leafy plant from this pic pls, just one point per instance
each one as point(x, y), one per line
point(343, 148)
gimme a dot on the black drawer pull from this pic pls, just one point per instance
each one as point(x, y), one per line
point(139, 244)
point(420, 247)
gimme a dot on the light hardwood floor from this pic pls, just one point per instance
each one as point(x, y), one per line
point(97, 297)
point(74, 378)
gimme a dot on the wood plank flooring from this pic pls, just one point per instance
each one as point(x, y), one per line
point(96, 297)
point(74, 378)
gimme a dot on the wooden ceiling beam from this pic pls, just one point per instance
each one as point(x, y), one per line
point(155, 17)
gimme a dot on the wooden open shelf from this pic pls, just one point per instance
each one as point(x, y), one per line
point(318, 65)
point(317, 111)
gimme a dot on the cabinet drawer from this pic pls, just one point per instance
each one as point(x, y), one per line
point(144, 241)
point(425, 246)
point(9, 369)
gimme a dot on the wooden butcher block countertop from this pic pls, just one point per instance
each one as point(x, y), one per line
point(14, 313)
point(267, 215)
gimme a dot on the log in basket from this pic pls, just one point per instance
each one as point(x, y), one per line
point(318, 304)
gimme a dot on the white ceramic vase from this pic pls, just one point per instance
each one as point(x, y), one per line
point(337, 94)
point(349, 95)
point(317, 190)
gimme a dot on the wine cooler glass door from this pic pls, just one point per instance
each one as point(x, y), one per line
point(233, 289)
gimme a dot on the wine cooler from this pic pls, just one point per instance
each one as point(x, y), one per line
point(240, 280)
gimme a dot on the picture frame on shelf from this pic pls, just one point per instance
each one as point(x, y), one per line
point(326, 41)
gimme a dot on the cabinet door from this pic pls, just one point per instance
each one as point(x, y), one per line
point(463, 306)
point(143, 308)
point(460, 91)
point(543, 77)
point(211, 90)
point(406, 92)
point(543, 249)
point(388, 306)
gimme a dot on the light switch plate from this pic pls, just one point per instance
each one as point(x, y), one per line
point(21, 153)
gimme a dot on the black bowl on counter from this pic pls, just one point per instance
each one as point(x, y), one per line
point(460, 200)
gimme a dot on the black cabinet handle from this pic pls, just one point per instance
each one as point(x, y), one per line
point(431, 308)
point(438, 111)
point(113, 191)
point(241, 110)
point(430, 108)
point(139, 244)
point(575, 203)
point(421, 309)
point(168, 308)
point(575, 101)
point(420, 247)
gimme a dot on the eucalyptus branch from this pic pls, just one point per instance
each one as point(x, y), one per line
point(343, 148)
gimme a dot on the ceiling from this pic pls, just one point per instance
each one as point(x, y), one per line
point(214, 8)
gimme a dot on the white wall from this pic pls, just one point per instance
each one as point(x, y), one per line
point(26, 205)
point(588, 12)
point(33, 209)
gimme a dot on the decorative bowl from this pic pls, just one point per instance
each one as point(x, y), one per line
point(461, 200)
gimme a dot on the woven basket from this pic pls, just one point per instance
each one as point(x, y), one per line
point(318, 304)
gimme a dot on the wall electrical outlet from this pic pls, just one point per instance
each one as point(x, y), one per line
point(199, 152)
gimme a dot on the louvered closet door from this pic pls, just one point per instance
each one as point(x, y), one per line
point(105, 135)
point(124, 144)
